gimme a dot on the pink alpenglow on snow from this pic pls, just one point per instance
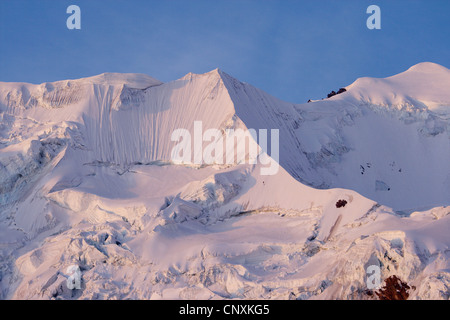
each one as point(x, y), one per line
point(209, 188)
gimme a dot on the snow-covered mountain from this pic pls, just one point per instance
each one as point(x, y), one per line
point(87, 178)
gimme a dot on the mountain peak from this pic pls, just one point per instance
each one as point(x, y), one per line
point(213, 73)
point(427, 67)
point(424, 83)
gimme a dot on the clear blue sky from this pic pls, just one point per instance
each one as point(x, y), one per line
point(294, 50)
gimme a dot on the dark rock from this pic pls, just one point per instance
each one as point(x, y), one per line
point(341, 203)
point(394, 289)
point(331, 94)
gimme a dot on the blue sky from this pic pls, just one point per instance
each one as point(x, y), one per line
point(294, 50)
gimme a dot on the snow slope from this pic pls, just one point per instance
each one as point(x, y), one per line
point(87, 179)
point(391, 132)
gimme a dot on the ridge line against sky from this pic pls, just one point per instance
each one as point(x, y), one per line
point(294, 50)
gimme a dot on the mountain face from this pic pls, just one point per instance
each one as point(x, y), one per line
point(88, 179)
point(381, 138)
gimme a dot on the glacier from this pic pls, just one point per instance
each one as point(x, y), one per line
point(87, 179)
